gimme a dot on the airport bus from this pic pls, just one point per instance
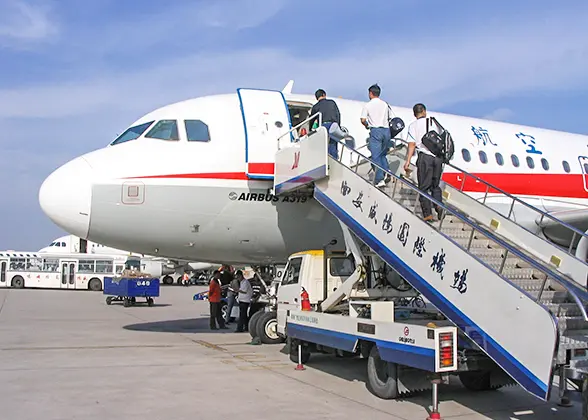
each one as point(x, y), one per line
point(57, 271)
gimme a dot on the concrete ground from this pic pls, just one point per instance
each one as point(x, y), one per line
point(67, 355)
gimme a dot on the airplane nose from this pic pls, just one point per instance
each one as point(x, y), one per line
point(66, 197)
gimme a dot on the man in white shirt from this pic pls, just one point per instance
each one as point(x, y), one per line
point(245, 295)
point(429, 166)
point(375, 116)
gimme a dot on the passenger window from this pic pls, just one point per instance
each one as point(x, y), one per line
point(132, 133)
point(545, 164)
point(566, 166)
point(515, 160)
point(341, 267)
point(292, 272)
point(196, 130)
point(164, 130)
point(499, 159)
point(465, 153)
point(483, 157)
point(530, 162)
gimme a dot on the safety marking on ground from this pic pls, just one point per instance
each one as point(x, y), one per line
point(264, 367)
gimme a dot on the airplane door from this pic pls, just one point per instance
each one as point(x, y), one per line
point(584, 166)
point(265, 118)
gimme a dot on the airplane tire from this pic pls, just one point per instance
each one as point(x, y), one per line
point(266, 328)
point(382, 376)
point(252, 325)
point(168, 280)
point(95, 284)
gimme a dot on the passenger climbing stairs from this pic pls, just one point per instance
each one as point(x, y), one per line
point(521, 299)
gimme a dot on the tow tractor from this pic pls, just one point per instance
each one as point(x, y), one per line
point(410, 345)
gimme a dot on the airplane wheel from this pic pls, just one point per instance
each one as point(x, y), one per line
point(168, 280)
point(267, 328)
point(252, 326)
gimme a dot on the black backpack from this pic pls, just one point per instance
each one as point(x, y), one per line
point(438, 140)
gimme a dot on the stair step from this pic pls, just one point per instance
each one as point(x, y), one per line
point(564, 309)
point(522, 273)
point(480, 243)
point(550, 296)
point(528, 284)
point(574, 340)
point(570, 323)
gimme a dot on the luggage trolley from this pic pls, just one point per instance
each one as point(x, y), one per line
point(127, 289)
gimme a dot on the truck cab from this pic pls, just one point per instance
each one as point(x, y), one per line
point(305, 271)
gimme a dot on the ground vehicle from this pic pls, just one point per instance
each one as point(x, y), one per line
point(403, 344)
point(57, 271)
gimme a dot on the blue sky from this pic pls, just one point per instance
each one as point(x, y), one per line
point(75, 73)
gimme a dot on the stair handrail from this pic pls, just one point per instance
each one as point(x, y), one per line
point(517, 200)
point(308, 119)
point(574, 290)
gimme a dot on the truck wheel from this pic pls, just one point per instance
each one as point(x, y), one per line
point(252, 326)
point(126, 302)
point(168, 280)
point(109, 300)
point(267, 328)
point(382, 376)
point(293, 346)
point(17, 282)
point(477, 380)
point(95, 284)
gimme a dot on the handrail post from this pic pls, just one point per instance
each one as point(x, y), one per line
point(542, 289)
point(510, 210)
point(503, 261)
point(471, 239)
point(486, 194)
point(572, 243)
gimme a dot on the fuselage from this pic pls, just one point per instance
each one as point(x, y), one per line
point(193, 200)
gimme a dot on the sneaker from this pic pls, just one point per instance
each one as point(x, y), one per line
point(388, 179)
point(428, 218)
point(381, 184)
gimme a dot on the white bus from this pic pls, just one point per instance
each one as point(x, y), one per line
point(57, 271)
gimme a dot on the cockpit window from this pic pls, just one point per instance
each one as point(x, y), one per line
point(196, 130)
point(164, 130)
point(132, 133)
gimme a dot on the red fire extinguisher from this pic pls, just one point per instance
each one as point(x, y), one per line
point(304, 300)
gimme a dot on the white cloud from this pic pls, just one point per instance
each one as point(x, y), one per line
point(500, 114)
point(239, 14)
point(20, 21)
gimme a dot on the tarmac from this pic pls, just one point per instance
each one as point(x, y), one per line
point(65, 354)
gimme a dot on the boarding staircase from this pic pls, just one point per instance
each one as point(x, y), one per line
point(521, 299)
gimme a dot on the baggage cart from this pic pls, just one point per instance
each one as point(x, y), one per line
point(127, 289)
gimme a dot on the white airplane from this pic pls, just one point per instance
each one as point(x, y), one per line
point(71, 244)
point(192, 180)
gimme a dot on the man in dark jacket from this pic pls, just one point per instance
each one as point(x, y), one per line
point(331, 120)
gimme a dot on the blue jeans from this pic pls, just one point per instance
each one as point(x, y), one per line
point(231, 297)
point(378, 145)
point(332, 149)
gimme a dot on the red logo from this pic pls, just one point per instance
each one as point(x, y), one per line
point(406, 331)
point(296, 160)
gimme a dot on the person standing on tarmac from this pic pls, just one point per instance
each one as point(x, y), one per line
point(375, 116)
point(232, 294)
point(214, 297)
point(331, 120)
point(245, 295)
point(429, 166)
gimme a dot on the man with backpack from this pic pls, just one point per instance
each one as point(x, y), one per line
point(429, 165)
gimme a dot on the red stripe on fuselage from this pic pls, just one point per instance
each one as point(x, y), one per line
point(541, 185)
point(261, 168)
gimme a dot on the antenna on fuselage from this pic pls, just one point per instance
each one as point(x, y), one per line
point(288, 88)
